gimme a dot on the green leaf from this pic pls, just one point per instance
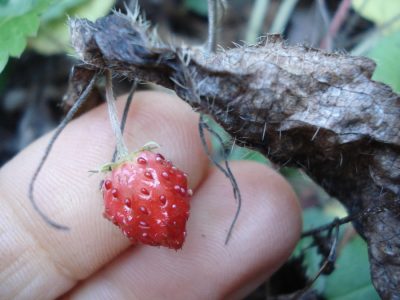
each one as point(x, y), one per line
point(312, 218)
point(3, 61)
point(58, 9)
point(241, 153)
point(15, 28)
point(380, 12)
point(351, 279)
point(237, 153)
point(198, 6)
point(14, 8)
point(386, 55)
point(53, 34)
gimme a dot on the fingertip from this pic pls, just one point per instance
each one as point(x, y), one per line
point(267, 230)
point(270, 212)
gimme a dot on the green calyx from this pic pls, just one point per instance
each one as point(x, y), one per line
point(150, 146)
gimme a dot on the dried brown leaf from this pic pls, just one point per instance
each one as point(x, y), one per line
point(299, 106)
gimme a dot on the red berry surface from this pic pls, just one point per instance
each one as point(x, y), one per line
point(148, 198)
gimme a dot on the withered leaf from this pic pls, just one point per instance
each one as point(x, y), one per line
point(299, 106)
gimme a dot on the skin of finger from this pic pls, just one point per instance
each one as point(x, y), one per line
point(266, 232)
point(39, 262)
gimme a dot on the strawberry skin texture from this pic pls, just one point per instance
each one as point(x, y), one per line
point(148, 199)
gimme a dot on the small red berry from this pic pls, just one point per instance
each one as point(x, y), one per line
point(148, 198)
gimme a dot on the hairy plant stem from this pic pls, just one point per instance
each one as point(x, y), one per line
point(350, 218)
point(226, 171)
point(81, 100)
point(283, 16)
point(258, 13)
point(121, 148)
point(212, 25)
point(125, 113)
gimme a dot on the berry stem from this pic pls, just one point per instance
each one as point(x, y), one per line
point(125, 113)
point(121, 148)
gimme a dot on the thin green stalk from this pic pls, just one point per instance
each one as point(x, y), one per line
point(212, 25)
point(257, 17)
point(122, 149)
point(283, 15)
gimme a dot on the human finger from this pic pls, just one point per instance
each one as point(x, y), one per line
point(39, 262)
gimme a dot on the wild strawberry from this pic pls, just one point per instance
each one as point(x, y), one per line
point(148, 198)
